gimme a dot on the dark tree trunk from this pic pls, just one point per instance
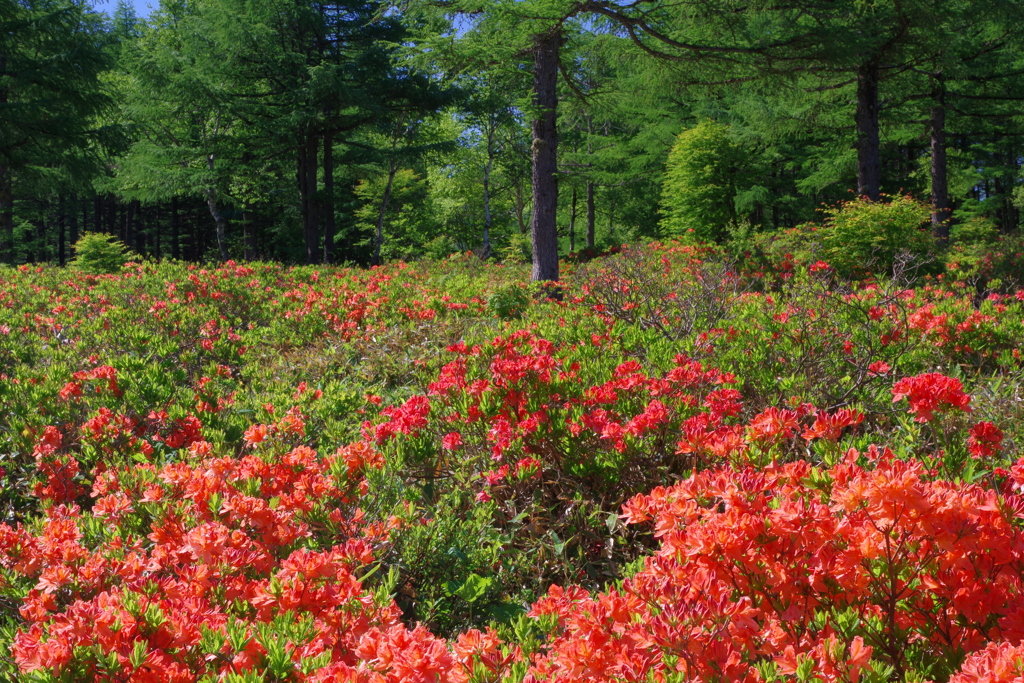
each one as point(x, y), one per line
point(62, 219)
point(330, 224)
point(111, 203)
point(196, 235)
point(308, 153)
point(572, 222)
point(591, 216)
point(940, 180)
point(122, 223)
point(131, 226)
point(175, 230)
point(6, 192)
point(6, 214)
point(249, 235)
point(157, 233)
point(543, 225)
point(73, 239)
point(869, 160)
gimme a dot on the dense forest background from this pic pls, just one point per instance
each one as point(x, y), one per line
point(360, 131)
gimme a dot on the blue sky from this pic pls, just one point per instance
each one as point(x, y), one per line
point(142, 7)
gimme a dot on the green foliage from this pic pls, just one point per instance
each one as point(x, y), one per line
point(701, 184)
point(862, 236)
point(509, 301)
point(97, 253)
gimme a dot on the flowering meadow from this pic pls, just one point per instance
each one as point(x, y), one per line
point(668, 470)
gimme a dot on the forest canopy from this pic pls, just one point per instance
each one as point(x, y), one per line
point(363, 131)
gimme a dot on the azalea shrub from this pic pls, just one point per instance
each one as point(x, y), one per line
point(670, 470)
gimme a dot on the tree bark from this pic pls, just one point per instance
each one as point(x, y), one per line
point(543, 224)
point(392, 170)
point(487, 191)
point(591, 216)
point(218, 217)
point(111, 202)
point(308, 154)
point(62, 219)
point(73, 239)
point(869, 161)
point(249, 234)
point(6, 214)
point(572, 222)
point(330, 224)
point(939, 170)
point(175, 230)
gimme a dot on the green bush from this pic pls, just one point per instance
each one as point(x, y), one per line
point(702, 181)
point(96, 254)
point(861, 237)
point(509, 301)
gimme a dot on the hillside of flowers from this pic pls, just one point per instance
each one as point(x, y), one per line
point(669, 469)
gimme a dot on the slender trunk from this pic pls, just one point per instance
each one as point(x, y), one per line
point(175, 230)
point(520, 208)
point(543, 225)
point(869, 161)
point(249, 235)
point(35, 236)
point(196, 234)
point(380, 216)
point(6, 214)
point(218, 218)
point(131, 232)
point(940, 181)
point(330, 223)
point(487, 192)
point(308, 182)
point(73, 239)
point(6, 191)
point(62, 219)
point(111, 203)
point(122, 223)
point(591, 216)
point(572, 223)
point(157, 233)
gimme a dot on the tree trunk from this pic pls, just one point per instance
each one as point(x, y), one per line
point(543, 225)
point(62, 219)
point(330, 224)
point(308, 154)
point(157, 233)
point(6, 214)
point(218, 217)
point(112, 224)
point(175, 230)
point(487, 191)
point(249, 235)
point(73, 239)
point(940, 180)
point(591, 216)
point(131, 233)
point(6, 191)
point(122, 224)
point(380, 216)
point(869, 160)
point(572, 223)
